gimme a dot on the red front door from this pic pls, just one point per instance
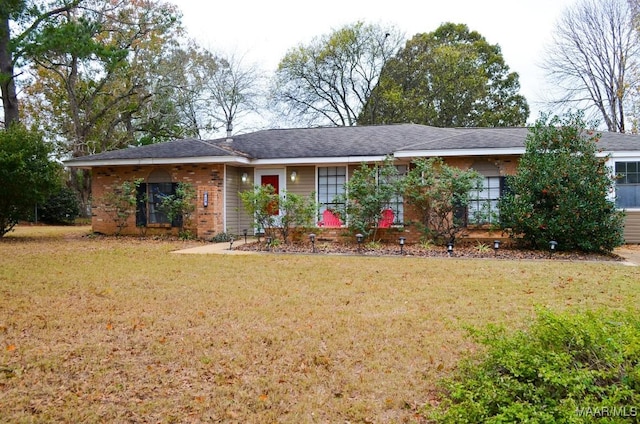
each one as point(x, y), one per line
point(273, 181)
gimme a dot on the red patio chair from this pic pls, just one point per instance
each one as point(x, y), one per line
point(387, 219)
point(330, 219)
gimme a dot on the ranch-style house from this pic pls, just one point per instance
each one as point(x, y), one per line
point(320, 160)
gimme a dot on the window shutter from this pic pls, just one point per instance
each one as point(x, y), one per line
point(177, 221)
point(141, 205)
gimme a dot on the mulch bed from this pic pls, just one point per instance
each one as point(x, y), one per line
point(472, 252)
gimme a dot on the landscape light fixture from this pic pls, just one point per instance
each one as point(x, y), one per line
point(312, 238)
point(401, 241)
point(231, 243)
point(244, 177)
point(359, 238)
point(450, 248)
point(244, 232)
point(553, 245)
point(496, 246)
point(294, 175)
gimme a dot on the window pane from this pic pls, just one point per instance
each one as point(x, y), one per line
point(628, 185)
point(628, 196)
point(330, 184)
point(483, 208)
point(157, 192)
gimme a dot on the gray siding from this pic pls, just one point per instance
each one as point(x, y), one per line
point(632, 227)
point(305, 182)
point(237, 218)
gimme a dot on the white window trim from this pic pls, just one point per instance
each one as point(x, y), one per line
point(611, 164)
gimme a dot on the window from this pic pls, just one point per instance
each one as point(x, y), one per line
point(483, 203)
point(396, 204)
point(627, 184)
point(149, 199)
point(156, 192)
point(331, 182)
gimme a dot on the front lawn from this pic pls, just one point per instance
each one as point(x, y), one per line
point(121, 330)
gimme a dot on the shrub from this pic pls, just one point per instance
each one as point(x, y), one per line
point(260, 203)
point(120, 203)
point(62, 207)
point(560, 190)
point(221, 237)
point(273, 212)
point(27, 175)
point(367, 193)
point(566, 368)
point(297, 212)
point(438, 191)
point(179, 208)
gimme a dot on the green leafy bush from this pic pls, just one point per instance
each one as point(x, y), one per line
point(279, 212)
point(261, 202)
point(368, 192)
point(566, 368)
point(62, 207)
point(296, 212)
point(221, 237)
point(438, 191)
point(560, 190)
point(179, 207)
point(27, 175)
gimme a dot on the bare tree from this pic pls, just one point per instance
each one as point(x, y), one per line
point(235, 89)
point(594, 59)
point(330, 80)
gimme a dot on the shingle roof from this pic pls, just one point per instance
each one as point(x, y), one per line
point(172, 149)
point(356, 141)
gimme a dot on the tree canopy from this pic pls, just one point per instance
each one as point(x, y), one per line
point(25, 18)
point(92, 70)
point(451, 77)
point(330, 80)
point(27, 176)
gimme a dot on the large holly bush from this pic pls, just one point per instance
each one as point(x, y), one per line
point(561, 190)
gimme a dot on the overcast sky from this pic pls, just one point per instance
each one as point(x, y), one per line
point(263, 31)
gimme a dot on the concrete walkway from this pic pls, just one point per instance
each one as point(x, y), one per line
point(217, 248)
point(630, 253)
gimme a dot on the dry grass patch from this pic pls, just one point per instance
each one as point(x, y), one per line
point(120, 330)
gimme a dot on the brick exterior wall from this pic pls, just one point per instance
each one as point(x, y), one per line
point(207, 220)
point(506, 165)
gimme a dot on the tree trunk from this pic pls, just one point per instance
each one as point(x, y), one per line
point(7, 83)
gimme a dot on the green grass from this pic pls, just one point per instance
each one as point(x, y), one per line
point(119, 330)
